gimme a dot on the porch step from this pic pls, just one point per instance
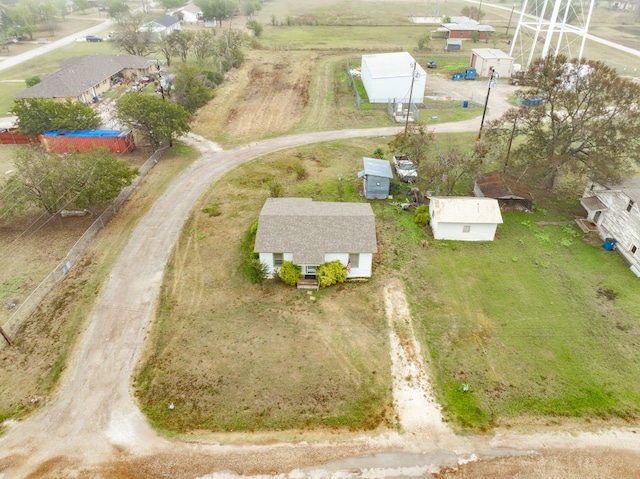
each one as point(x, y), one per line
point(307, 283)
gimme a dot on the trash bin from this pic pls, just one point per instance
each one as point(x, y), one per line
point(609, 244)
point(465, 104)
point(457, 76)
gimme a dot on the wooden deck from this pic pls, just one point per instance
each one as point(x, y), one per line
point(586, 225)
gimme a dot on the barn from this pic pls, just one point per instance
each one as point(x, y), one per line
point(464, 218)
point(376, 178)
point(484, 59)
point(388, 77)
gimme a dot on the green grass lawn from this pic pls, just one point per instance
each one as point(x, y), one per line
point(537, 322)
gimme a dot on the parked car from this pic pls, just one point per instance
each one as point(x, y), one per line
point(93, 38)
point(405, 169)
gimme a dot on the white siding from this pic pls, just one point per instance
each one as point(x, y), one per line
point(456, 231)
point(384, 86)
point(267, 258)
point(616, 222)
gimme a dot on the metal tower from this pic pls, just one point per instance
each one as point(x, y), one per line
point(566, 23)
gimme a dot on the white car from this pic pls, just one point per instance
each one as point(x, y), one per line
point(405, 169)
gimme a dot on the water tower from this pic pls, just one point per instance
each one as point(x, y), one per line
point(551, 27)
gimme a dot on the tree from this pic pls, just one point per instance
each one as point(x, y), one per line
point(472, 12)
point(191, 88)
point(167, 4)
point(588, 125)
point(415, 143)
point(203, 44)
point(217, 9)
point(130, 39)
point(182, 42)
point(55, 182)
point(37, 115)
point(118, 10)
point(80, 5)
point(154, 118)
point(32, 80)
point(255, 27)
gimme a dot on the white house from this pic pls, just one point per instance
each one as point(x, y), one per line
point(614, 209)
point(484, 59)
point(160, 27)
point(190, 13)
point(464, 218)
point(309, 233)
point(388, 76)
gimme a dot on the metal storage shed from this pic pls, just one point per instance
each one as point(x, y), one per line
point(376, 176)
point(388, 77)
point(483, 59)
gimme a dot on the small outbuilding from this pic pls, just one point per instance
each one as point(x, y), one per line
point(453, 45)
point(388, 77)
point(464, 218)
point(376, 178)
point(486, 59)
point(510, 193)
point(84, 140)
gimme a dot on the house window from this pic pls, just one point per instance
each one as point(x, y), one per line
point(634, 249)
point(466, 228)
point(354, 259)
point(277, 259)
point(630, 205)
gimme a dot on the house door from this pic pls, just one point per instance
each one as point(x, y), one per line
point(596, 217)
point(310, 272)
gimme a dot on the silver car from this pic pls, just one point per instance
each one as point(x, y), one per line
point(405, 169)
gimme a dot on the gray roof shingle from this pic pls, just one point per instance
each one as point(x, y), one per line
point(78, 74)
point(310, 229)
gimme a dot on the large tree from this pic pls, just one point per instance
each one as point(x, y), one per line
point(55, 182)
point(129, 39)
point(191, 88)
point(37, 115)
point(217, 9)
point(156, 119)
point(588, 124)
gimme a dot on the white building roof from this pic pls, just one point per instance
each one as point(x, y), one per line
point(376, 167)
point(490, 53)
point(388, 65)
point(457, 209)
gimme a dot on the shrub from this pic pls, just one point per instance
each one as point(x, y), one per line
point(34, 80)
point(212, 210)
point(422, 217)
point(331, 273)
point(255, 270)
point(289, 273)
point(255, 27)
point(276, 190)
point(301, 172)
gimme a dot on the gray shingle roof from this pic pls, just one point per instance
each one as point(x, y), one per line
point(310, 229)
point(376, 167)
point(78, 74)
point(167, 20)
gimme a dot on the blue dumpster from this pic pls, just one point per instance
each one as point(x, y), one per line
point(457, 76)
point(609, 244)
point(465, 104)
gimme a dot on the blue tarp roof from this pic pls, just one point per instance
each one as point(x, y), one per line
point(89, 133)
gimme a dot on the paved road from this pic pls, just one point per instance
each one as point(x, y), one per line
point(9, 62)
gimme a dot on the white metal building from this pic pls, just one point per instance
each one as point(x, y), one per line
point(482, 59)
point(464, 218)
point(388, 76)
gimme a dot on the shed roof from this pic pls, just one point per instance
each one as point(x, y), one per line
point(502, 186)
point(375, 167)
point(78, 74)
point(167, 20)
point(469, 26)
point(463, 209)
point(391, 65)
point(593, 203)
point(491, 53)
point(310, 229)
point(89, 133)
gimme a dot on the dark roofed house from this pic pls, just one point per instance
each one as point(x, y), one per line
point(310, 233)
point(160, 27)
point(85, 78)
point(465, 28)
point(505, 188)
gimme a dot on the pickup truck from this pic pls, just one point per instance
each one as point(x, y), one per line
point(405, 169)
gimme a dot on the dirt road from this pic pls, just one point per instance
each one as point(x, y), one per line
point(94, 427)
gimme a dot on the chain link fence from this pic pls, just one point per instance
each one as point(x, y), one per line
point(353, 84)
point(29, 305)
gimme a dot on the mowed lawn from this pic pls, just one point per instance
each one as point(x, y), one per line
point(538, 322)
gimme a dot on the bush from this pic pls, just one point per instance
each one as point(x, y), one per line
point(255, 27)
point(213, 210)
point(276, 190)
point(34, 80)
point(289, 273)
point(255, 270)
point(422, 215)
point(331, 273)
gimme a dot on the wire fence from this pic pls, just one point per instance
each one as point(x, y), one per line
point(29, 305)
point(353, 84)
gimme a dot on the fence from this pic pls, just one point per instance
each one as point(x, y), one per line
point(415, 111)
point(353, 84)
point(29, 305)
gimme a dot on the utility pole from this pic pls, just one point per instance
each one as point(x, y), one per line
point(493, 81)
point(413, 77)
